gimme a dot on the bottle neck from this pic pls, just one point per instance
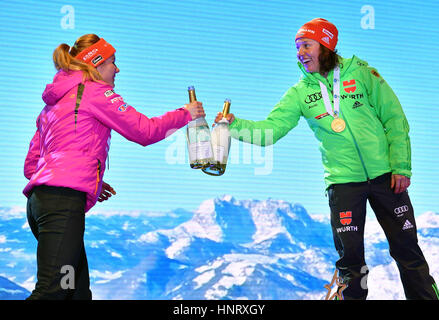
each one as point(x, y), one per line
point(226, 108)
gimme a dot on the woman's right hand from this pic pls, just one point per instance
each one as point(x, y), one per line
point(230, 117)
point(196, 109)
point(106, 192)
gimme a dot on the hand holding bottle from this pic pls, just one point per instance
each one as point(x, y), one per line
point(196, 109)
point(230, 117)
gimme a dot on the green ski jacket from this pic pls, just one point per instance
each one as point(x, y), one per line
point(375, 140)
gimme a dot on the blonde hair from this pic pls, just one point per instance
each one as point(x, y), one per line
point(64, 57)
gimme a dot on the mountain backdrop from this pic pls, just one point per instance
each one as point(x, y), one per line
point(226, 249)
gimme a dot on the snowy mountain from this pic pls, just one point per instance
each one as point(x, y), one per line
point(11, 291)
point(226, 249)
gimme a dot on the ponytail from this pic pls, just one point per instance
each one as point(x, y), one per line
point(64, 57)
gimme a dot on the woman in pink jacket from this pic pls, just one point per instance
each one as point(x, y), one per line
point(66, 159)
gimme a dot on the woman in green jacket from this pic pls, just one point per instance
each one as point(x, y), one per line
point(366, 155)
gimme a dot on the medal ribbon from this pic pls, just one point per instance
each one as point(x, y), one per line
point(336, 90)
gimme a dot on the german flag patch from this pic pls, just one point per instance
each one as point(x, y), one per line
point(376, 74)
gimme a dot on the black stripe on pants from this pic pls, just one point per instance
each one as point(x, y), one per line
point(56, 217)
point(395, 214)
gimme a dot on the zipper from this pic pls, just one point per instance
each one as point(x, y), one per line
point(78, 101)
point(409, 149)
point(358, 151)
point(98, 176)
point(355, 141)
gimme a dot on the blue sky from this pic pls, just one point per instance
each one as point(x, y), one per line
point(242, 50)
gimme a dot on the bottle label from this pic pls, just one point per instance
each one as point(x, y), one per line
point(200, 150)
point(198, 134)
point(221, 142)
point(218, 154)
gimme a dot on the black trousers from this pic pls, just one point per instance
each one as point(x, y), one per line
point(395, 214)
point(56, 217)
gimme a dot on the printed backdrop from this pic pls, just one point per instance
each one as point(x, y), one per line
point(174, 232)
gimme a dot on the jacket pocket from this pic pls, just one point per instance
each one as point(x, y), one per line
point(98, 175)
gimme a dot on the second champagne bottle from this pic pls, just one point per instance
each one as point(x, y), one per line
point(220, 144)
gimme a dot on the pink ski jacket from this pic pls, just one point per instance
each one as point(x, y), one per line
point(71, 143)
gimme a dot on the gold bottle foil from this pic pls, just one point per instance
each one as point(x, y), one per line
point(226, 107)
point(192, 96)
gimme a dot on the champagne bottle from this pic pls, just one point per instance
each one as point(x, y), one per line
point(198, 139)
point(220, 144)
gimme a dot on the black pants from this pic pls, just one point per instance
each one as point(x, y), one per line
point(395, 214)
point(56, 217)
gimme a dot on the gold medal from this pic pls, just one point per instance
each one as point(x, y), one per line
point(338, 125)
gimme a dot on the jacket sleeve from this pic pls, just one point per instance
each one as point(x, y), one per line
point(110, 109)
point(394, 121)
point(283, 117)
point(33, 155)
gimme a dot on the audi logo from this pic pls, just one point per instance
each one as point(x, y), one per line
point(401, 209)
point(313, 97)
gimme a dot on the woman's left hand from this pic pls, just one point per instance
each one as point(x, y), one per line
point(400, 183)
point(106, 192)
